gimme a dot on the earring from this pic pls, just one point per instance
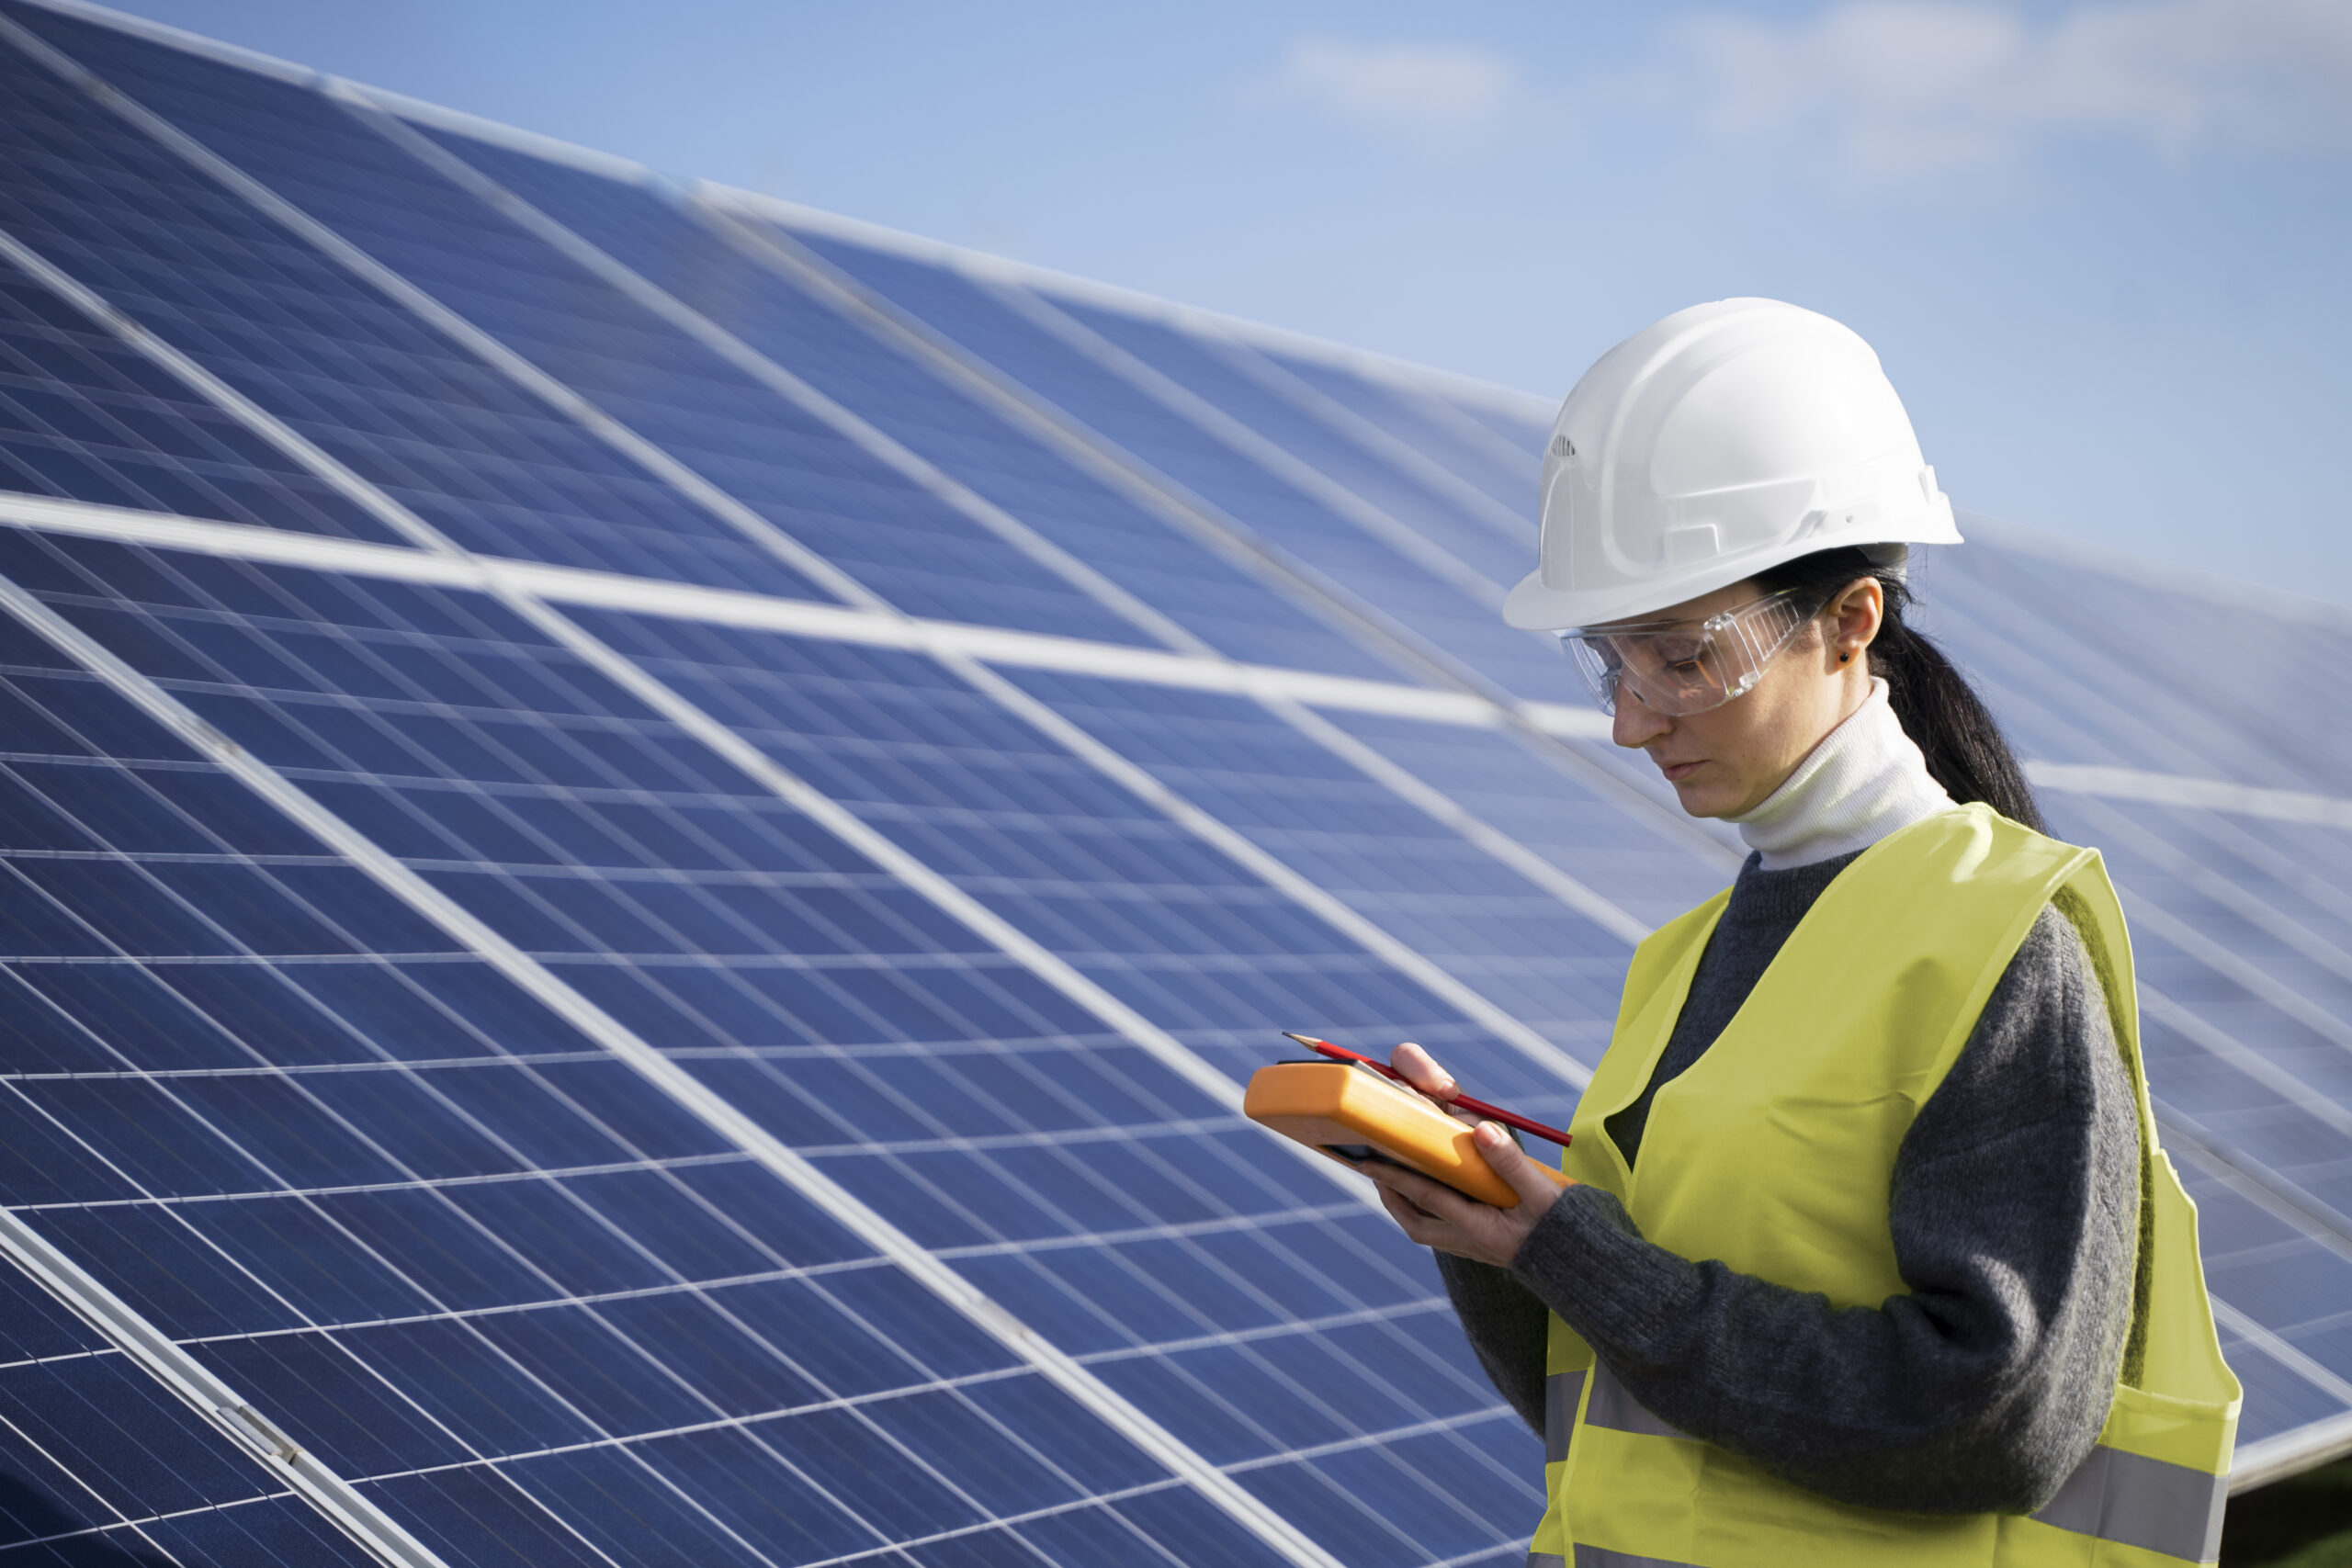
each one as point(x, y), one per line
point(1844, 657)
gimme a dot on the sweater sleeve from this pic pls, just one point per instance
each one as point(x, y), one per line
point(1507, 1326)
point(2015, 1217)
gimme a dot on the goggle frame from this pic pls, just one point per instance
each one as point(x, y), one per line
point(1730, 652)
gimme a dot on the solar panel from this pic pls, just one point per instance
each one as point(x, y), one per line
point(425, 1223)
point(647, 837)
point(104, 1466)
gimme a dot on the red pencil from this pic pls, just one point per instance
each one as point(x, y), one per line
point(1475, 1107)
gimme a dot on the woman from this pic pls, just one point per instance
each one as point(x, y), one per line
point(1870, 1255)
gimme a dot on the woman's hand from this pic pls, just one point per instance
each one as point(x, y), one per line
point(1435, 1215)
point(1418, 1067)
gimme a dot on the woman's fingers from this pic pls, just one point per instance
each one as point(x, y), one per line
point(1413, 1220)
point(1434, 1214)
point(1431, 1231)
point(1431, 1197)
point(1412, 1186)
point(1418, 1067)
point(1508, 1160)
point(1421, 1226)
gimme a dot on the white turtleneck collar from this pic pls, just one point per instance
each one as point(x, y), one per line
point(1865, 780)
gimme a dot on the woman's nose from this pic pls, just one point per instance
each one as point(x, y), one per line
point(1634, 725)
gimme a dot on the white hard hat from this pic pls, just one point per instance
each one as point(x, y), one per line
point(1724, 439)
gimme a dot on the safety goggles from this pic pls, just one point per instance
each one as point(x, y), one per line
point(1686, 667)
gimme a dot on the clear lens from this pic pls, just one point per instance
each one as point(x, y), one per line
point(1686, 667)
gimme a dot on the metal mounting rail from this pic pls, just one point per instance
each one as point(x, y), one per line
point(222, 1407)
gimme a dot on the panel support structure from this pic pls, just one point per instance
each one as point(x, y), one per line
point(1540, 871)
point(1048, 967)
point(671, 1079)
point(1057, 1365)
point(985, 923)
point(1301, 476)
point(1506, 523)
point(222, 1408)
point(1187, 513)
point(1433, 977)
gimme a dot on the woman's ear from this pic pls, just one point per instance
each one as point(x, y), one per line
point(1853, 618)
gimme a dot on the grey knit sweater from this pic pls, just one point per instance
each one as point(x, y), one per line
point(2015, 1209)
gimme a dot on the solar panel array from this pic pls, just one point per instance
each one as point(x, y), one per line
point(647, 837)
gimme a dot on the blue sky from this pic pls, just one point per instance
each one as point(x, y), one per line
point(2102, 247)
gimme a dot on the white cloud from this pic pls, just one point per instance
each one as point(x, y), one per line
point(1895, 88)
point(1434, 93)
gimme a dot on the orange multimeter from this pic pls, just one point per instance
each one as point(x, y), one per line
point(1353, 1114)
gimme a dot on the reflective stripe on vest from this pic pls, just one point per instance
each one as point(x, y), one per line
point(2138, 1501)
point(1561, 1392)
point(1613, 1408)
point(1774, 1155)
point(2124, 1498)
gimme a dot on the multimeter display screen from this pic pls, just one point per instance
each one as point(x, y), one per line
point(1364, 1152)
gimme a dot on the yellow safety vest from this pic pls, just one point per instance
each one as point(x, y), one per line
point(1774, 1153)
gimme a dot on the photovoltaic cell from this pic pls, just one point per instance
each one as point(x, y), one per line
point(2282, 1284)
point(1482, 921)
point(100, 1466)
point(1506, 471)
point(85, 417)
point(448, 437)
point(2147, 703)
point(1370, 569)
point(791, 467)
point(528, 1304)
point(1177, 576)
point(483, 1273)
point(1221, 376)
point(1073, 1179)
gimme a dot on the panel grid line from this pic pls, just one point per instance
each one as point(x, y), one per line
point(1214, 422)
point(1549, 877)
point(792, 388)
point(1164, 497)
point(221, 1407)
point(1399, 955)
point(1509, 522)
point(1073, 789)
point(138, 1526)
point(576, 1298)
point(623, 672)
point(244, 1412)
point(673, 1079)
point(1006, 648)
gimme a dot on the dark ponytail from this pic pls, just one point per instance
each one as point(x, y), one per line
point(1946, 719)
